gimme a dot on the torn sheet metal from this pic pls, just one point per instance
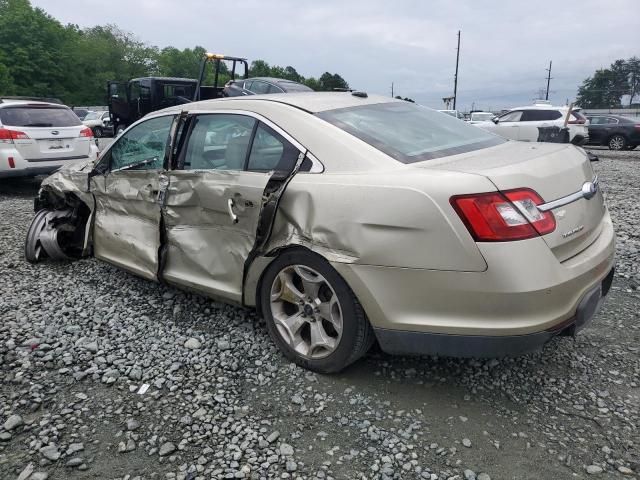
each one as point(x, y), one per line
point(71, 179)
point(126, 229)
point(207, 248)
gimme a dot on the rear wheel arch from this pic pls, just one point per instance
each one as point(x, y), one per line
point(356, 332)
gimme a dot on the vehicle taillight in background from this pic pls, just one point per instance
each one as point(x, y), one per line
point(577, 118)
point(503, 216)
point(8, 135)
point(86, 132)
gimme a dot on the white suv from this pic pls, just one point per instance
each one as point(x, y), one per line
point(523, 123)
point(40, 137)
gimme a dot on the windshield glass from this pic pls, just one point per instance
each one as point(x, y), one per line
point(92, 116)
point(410, 133)
point(482, 116)
point(36, 116)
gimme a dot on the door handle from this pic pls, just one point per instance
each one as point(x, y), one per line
point(230, 204)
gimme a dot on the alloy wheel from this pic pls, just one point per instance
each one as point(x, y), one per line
point(617, 143)
point(306, 311)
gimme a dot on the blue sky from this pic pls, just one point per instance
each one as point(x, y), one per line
point(506, 45)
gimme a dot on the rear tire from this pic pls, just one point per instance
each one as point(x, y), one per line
point(617, 142)
point(98, 132)
point(296, 328)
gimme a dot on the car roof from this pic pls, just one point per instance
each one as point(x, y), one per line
point(312, 102)
point(542, 107)
point(13, 102)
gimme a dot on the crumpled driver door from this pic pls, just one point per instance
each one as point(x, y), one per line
point(128, 195)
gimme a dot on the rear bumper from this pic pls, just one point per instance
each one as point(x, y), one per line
point(525, 297)
point(38, 166)
point(465, 346)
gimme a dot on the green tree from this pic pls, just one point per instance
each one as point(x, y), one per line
point(37, 50)
point(259, 68)
point(607, 86)
point(6, 82)
point(329, 82)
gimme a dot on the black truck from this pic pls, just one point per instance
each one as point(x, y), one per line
point(131, 100)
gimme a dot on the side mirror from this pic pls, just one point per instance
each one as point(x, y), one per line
point(495, 120)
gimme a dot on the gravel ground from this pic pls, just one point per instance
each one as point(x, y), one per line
point(104, 375)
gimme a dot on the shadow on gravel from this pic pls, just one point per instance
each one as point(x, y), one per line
point(20, 187)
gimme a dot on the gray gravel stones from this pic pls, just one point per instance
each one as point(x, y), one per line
point(235, 408)
point(14, 421)
point(286, 450)
point(594, 469)
point(50, 452)
point(166, 449)
point(193, 344)
point(132, 424)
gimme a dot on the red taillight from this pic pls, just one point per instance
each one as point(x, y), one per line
point(12, 164)
point(7, 134)
point(503, 216)
point(86, 132)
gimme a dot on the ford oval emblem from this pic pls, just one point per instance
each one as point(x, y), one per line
point(55, 132)
point(589, 189)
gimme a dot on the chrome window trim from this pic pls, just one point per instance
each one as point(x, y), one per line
point(582, 193)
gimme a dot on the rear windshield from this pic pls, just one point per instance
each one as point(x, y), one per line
point(410, 133)
point(33, 116)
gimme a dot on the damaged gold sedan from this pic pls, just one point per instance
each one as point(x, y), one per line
point(344, 219)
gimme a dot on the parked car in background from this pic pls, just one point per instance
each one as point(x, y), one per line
point(476, 117)
point(99, 123)
point(345, 218)
point(80, 112)
point(453, 113)
point(40, 137)
point(524, 123)
point(263, 85)
point(616, 131)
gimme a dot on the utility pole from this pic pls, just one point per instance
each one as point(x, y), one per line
point(548, 80)
point(455, 79)
point(392, 90)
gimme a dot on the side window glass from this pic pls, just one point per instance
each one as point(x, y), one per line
point(274, 89)
point(218, 141)
point(270, 151)
point(511, 117)
point(135, 91)
point(259, 87)
point(143, 147)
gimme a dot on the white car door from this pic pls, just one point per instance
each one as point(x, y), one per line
point(507, 126)
point(531, 120)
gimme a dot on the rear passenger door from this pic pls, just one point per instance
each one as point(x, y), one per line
point(214, 199)
point(533, 119)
